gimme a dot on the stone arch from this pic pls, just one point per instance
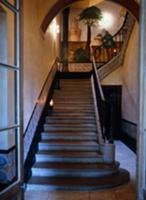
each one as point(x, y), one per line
point(130, 5)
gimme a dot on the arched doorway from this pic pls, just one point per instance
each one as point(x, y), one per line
point(130, 5)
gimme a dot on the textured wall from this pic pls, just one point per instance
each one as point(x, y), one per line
point(40, 52)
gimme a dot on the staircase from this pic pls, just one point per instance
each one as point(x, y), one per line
point(69, 156)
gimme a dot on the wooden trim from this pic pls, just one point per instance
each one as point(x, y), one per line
point(129, 141)
point(129, 122)
point(7, 151)
point(15, 189)
point(131, 6)
point(37, 111)
point(29, 161)
point(43, 87)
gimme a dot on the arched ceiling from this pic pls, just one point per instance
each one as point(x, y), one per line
point(131, 5)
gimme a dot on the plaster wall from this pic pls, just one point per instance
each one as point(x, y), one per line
point(116, 12)
point(114, 78)
point(40, 52)
point(130, 78)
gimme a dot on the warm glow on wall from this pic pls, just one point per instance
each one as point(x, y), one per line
point(54, 28)
point(107, 20)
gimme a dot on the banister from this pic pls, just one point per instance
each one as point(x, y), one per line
point(102, 53)
point(98, 80)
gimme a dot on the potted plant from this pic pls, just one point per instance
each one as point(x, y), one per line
point(80, 55)
point(90, 16)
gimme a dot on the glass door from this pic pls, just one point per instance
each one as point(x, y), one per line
point(10, 104)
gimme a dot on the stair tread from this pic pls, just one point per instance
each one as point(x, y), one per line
point(69, 124)
point(75, 166)
point(70, 120)
point(107, 181)
point(70, 153)
point(68, 142)
point(75, 133)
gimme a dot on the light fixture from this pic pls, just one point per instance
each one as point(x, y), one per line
point(54, 28)
point(51, 103)
point(107, 20)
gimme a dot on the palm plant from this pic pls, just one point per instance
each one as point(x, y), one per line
point(90, 16)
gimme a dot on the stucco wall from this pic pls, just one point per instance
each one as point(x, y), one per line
point(115, 78)
point(130, 78)
point(40, 52)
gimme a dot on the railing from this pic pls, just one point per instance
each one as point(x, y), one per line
point(100, 103)
point(104, 109)
point(118, 60)
point(104, 55)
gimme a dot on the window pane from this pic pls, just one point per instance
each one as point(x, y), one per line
point(8, 158)
point(7, 35)
point(7, 97)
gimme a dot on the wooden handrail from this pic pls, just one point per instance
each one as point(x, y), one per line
point(98, 80)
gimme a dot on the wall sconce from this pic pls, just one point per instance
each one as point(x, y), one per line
point(115, 52)
point(54, 28)
point(51, 104)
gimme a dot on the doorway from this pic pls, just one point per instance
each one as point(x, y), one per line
point(10, 101)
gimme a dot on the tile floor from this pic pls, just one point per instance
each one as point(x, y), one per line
point(128, 161)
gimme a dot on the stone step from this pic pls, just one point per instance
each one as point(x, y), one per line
point(75, 99)
point(68, 145)
point(69, 156)
point(73, 111)
point(69, 128)
point(73, 107)
point(46, 169)
point(70, 125)
point(68, 136)
point(72, 120)
point(73, 116)
point(78, 184)
point(74, 132)
point(73, 103)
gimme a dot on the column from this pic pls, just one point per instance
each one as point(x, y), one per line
point(65, 39)
point(141, 135)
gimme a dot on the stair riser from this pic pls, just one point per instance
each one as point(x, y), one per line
point(74, 107)
point(72, 120)
point(72, 125)
point(43, 146)
point(49, 128)
point(71, 116)
point(71, 173)
point(74, 99)
point(64, 137)
point(51, 159)
point(42, 187)
point(74, 110)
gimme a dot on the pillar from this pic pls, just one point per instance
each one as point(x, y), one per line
point(141, 135)
point(65, 38)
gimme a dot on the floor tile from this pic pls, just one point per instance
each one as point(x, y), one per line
point(36, 195)
point(105, 195)
point(68, 195)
